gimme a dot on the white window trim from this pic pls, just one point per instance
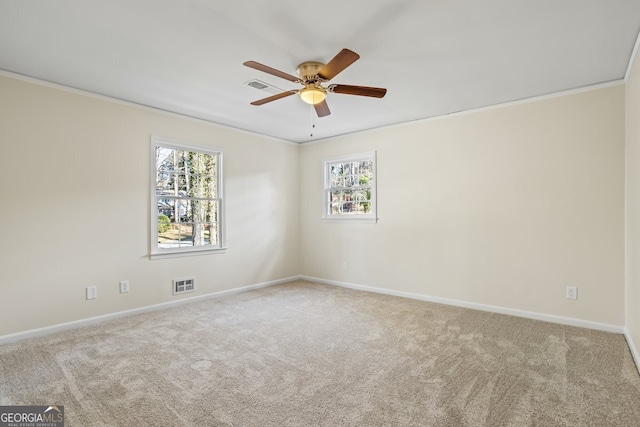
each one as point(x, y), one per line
point(370, 218)
point(158, 253)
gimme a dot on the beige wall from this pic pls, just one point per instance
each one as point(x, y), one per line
point(75, 207)
point(633, 207)
point(504, 207)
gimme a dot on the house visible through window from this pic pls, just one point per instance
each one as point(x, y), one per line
point(350, 187)
point(187, 198)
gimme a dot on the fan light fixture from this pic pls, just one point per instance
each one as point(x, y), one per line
point(311, 75)
point(313, 94)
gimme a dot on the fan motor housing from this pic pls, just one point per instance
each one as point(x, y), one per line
point(309, 70)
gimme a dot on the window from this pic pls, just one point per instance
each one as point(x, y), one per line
point(350, 188)
point(186, 207)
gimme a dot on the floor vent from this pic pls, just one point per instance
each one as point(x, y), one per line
point(181, 286)
point(265, 87)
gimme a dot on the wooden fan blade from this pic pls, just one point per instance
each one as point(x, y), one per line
point(274, 97)
point(322, 109)
point(342, 60)
point(265, 69)
point(374, 92)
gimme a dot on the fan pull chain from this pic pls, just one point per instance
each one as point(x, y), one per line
point(313, 120)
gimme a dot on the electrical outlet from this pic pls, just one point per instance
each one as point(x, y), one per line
point(124, 286)
point(92, 292)
point(572, 292)
point(345, 266)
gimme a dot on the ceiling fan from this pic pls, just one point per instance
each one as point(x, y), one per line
point(312, 75)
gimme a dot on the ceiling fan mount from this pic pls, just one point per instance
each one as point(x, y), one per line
point(308, 71)
point(311, 75)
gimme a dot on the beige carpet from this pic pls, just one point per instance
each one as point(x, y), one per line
point(304, 354)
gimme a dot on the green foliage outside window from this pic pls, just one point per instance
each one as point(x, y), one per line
point(164, 223)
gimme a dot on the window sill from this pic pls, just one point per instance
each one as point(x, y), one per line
point(187, 253)
point(356, 220)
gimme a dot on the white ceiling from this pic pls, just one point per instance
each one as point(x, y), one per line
point(435, 57)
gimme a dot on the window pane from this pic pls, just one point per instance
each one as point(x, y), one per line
point(348, 206)
point(182, 160)
point(334, 208)
point(173, 235)
point(198, 234)
point(197, 210)
point(164, 159)
point(212, 211)
point(163, 182)
point(212, 233)
point(181, 212)
point(185, 235)
point(363, 195)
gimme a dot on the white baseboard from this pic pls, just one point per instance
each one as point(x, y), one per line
point(633, 348)
point(477, 306)
point(18, 336)
point(458, 303)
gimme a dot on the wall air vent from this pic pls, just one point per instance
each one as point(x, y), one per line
point(265, 87)
point(181, 286)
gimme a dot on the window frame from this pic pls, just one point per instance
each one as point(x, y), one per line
point(155, 251)
point(370, 217)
